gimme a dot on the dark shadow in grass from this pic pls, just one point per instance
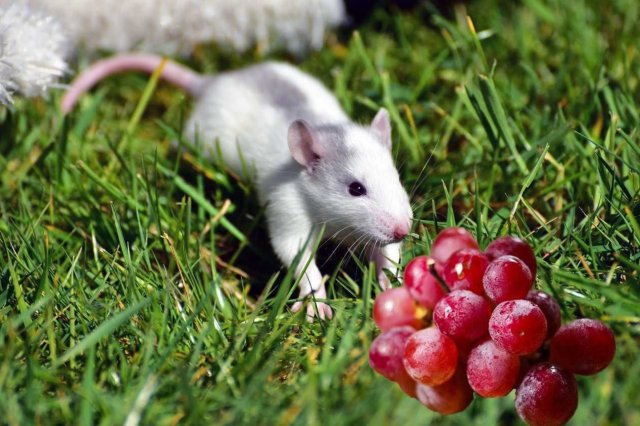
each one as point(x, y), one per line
point(260, 262)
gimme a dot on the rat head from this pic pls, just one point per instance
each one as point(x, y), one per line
point(350, 182)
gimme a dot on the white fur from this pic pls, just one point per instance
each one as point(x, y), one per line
point(176, 26)
point(33, 48)
point(243, 121)
point(299, 200)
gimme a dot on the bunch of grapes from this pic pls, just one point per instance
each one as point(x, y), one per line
point(468, 322)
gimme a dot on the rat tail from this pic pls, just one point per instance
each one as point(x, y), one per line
point(181, 76)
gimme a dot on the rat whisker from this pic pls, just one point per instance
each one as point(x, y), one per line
point(418, 181)
point(335, 249)
point(353, 246)
point(348, 250)
point(364, 250)
point(420, 178)
point(417, 206)
point(353, 228)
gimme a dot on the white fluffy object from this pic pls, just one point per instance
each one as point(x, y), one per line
point(32, 51)
point(176, 26)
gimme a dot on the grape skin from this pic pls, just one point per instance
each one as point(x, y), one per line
point(492, 371)
point(514, 246)
point(462, 315)
point(547, 396)
point(518, 326)
point(407, 384)
point(449, 241)
point(507, 278)
point(430, 357)
point(450, 397)
point(422, 285)
point(387, 350)
point(464, 271)
point(550, 309)
point(395, 307)
point(584, 346)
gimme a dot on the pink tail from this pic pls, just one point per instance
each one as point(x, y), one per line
point(176, 74)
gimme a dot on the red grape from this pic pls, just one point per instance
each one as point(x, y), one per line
point(395, 307)
point(492, 371)
point(450, 397)
point(464, 270)
point(518, 326)
point(462, 315)
point(422, 285)
point(449, 241)
point(444, 364)
point(507, 278)
point(550, 309)
point(385, 354)
point(584, 346)
point(430, 357)
point(547, 396)
point(514, 246)
point(416, 269)
point(406, 383)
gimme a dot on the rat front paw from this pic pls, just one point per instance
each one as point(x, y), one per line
point(384, 281)
point(319, 309)
point(314, 307)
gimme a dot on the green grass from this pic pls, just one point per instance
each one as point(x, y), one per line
point(137, 284)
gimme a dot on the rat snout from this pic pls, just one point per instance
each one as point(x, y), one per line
point(400, 231)
point(393, 228)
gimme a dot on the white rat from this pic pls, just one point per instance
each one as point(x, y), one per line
point(313, 168)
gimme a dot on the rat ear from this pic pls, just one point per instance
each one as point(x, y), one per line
point(303, 144)
point(382, 126)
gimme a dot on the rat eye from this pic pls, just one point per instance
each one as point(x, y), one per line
point(357, 189)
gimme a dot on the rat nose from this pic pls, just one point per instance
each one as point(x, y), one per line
point(400, 231)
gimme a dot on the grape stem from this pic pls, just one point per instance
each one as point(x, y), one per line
point(432, 269)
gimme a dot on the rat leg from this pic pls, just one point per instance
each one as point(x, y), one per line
point(386, 257)
point(311, 286)
point(287, 246)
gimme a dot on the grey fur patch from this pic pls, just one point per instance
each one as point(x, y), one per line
point(277, 90)
point(335, 135)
